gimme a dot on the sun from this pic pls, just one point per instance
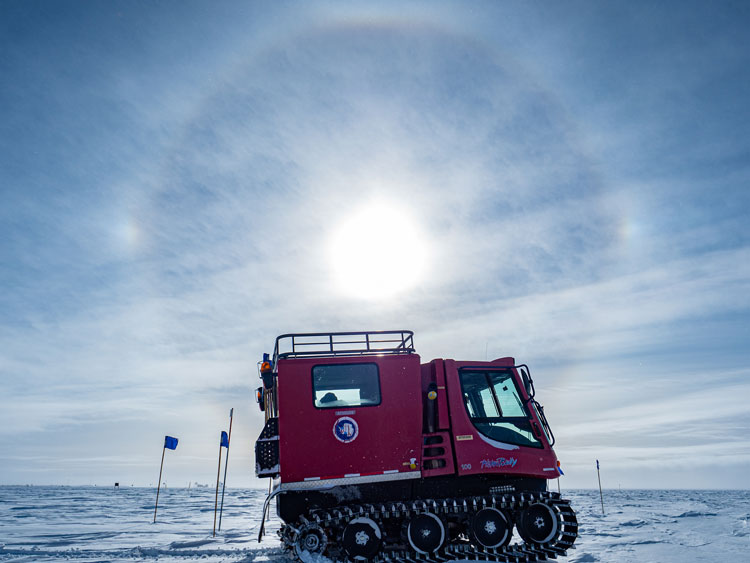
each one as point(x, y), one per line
point(378, 252)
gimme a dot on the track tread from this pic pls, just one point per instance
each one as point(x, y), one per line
point(336, 518)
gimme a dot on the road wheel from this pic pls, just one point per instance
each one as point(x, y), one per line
point(425, 533)
point(539, 523)
point(491, 528)
point(362, 539)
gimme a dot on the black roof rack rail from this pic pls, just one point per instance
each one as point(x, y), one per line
point(326, 344)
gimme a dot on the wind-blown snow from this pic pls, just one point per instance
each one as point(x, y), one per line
point(87, 524)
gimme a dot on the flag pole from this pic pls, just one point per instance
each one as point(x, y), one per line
point(158, 485)
point(601, 497)
point(226, 464)
point(216, 500)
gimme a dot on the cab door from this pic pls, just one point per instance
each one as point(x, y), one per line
point(349, 418)
point(494, 430)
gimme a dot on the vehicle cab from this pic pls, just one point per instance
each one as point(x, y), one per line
point(344, 407)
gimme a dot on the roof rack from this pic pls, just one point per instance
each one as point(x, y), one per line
point(326, 344)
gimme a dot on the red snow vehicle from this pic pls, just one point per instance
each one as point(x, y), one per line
point(376, 456)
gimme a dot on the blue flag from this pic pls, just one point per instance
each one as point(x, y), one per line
point(597, 465)
point(224, 440)
point(170, 443)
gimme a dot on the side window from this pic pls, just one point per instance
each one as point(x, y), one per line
point(507, 396)
point(494, 406)
point(345, 385)
point(488, 402)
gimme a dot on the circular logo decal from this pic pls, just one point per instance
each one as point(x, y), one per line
point(345, 429)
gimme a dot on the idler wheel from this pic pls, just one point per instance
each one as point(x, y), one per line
point(362, 539)
point(491, 528)
point(311, 539)
point(539, 523)
point(425, 533)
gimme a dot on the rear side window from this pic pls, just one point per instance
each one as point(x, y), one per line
point(346, 385)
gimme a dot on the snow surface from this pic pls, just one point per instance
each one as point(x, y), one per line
point(88, 524)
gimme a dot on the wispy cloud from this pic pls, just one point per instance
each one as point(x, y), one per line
point(180, 214)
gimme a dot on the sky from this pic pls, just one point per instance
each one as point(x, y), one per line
point(564, 183)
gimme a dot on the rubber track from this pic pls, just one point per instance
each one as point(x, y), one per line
point(516, 553)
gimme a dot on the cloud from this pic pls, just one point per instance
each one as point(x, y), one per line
point(186, 220)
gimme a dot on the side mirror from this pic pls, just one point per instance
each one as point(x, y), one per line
point(259, 398)
point(528, 383)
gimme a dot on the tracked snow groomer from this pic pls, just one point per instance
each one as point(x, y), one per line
point(376, 456)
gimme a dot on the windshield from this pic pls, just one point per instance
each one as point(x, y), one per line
point(494, 406)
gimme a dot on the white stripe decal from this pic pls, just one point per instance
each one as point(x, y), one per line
point(499, 445)
point(318, 483)
point(548, 469)
point(352, 475)
point(390, 472)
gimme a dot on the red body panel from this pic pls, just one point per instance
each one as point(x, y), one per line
point(477, 454)
point(389, 435)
